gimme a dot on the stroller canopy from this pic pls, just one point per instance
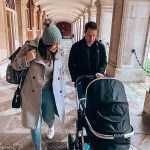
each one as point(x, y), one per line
point(107, 106)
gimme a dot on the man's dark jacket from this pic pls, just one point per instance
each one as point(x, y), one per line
point(79, 63)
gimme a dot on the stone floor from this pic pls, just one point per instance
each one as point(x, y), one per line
point(14, 137)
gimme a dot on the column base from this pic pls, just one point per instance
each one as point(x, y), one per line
point(3, 67)
point(127, 74)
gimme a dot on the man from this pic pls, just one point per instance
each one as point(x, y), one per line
point(87, 56)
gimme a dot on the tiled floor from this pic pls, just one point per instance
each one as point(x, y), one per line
point(13, 136)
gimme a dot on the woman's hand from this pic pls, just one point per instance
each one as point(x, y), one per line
point(99, 75)
point(31, 55)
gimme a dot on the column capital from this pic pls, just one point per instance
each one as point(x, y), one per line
point(39, 12)
point(138, 1)
point(24, 2)
point(107, 3)
point(92, 9)
point(97, 4)
point(76, 20)
point(85, 17)
point(35, 8)
point(81, 16)
point(43, 14)
point(85, 14)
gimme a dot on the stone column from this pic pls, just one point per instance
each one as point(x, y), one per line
point(98, 16)
point(75, 31)
point(78, 29)
point(40, 13)
point(72, 28)
point(72, 31)
point(43, 19)
point(34, 25)
point(92, 13)
point(129, 31)
point(81, 27)
point(22, 22)
point(3, 40)
point(85, 20)
point(104, 19)
point(85, 17)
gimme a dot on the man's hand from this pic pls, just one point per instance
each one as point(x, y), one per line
point(31, 55)
point(99, 75)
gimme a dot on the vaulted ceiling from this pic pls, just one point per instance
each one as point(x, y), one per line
point(63, 10)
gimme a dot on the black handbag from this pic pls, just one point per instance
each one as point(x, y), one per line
point(16, 102)
point(17, 99)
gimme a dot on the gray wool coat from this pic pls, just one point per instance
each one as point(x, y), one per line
point(32, 87)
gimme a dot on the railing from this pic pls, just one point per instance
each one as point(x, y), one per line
point(133, 51)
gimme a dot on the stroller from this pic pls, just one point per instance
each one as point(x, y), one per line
point(103, 121)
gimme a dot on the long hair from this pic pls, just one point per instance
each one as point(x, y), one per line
point(45, 53)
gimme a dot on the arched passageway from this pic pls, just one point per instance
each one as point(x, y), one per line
point(65, 29)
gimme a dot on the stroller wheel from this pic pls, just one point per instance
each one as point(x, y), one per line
point(70, 142)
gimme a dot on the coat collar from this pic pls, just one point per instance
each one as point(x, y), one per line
point(39, 59)
point(35, 42)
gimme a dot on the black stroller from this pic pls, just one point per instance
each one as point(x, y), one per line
point(103, 121)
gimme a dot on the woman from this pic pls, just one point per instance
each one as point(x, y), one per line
point(43, 91)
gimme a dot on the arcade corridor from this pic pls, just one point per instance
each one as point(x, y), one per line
point(14, 137)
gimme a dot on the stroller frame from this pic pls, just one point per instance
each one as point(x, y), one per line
point(77, 142)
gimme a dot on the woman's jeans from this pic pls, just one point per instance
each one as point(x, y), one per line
point(48, 110)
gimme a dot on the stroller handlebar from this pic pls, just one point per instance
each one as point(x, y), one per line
point(85, 77)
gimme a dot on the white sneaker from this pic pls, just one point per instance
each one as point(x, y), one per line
point(51, 133)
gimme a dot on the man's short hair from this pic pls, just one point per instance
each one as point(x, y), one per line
point(90, 25)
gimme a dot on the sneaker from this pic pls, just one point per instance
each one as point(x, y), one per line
point(51, 133)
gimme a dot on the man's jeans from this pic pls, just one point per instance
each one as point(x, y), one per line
point(48, 110)
point(81, 87)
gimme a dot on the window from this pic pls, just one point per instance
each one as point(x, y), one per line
point(28, 18)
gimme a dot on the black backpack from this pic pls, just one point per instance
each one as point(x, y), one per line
point(13, 76)
point(16, 77)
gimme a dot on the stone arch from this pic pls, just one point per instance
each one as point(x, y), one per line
point(65, 29)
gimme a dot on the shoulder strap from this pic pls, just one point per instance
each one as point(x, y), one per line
point(23, 76)
point(12, 56)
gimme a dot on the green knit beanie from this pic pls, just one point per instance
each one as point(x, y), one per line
point(51, 35)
